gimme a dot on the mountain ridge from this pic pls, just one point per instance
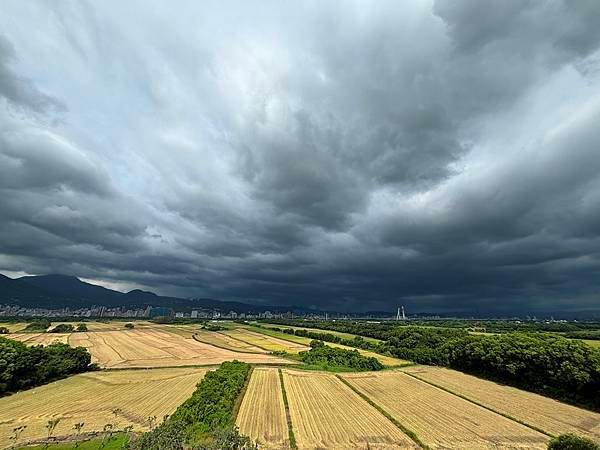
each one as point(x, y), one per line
point(55, 291)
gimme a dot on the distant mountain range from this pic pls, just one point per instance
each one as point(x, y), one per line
point(60, 291)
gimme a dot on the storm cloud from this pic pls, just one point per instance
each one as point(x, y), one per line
point(440, 155)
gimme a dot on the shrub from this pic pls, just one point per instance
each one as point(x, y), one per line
point(336, 358)
point(62, 328)
point(38, 325)
point(129, 326)
point(572, 442)
point(4, 330)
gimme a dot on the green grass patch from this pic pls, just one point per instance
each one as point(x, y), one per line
point(117, 441)
point(288, 416)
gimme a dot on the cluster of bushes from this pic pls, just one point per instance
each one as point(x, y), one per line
point(62, 328)
point(330, 358)
point(22, 367)
point(572, 442)
point(213, 327)
point(39, 325)
point(206, 420)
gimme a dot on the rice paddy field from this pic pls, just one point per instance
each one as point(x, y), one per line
point(227, 342)
point(390, 409)
point(442, 420)
point(547, 414)
point(327, 414)
point(157, 347)
point(262, 412)
point(121, 398)
point(39, 338)
point(268, 343)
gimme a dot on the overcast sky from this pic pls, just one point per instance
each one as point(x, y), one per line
point(349, 155)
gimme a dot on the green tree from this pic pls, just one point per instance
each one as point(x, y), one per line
point(572, 442)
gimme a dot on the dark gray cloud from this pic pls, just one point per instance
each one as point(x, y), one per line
point(440, 155)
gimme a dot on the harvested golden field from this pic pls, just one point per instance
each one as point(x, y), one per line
point(441, 419)
point(269, 343)
point(549, 415)
point(154, 347)
point(262, 412)
point(227, 342)
point(328, 414)
point(39, 338)
point(92, 397)
point(14, 327)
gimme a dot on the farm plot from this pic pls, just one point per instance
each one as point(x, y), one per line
point(227, 342)
point(441, 419)
point(39, 338)
point(269, 343)
point(549, 415)
point(150, 347)
point(262, 412)
point(328, 414)
point(121, 398)
point(13, 327)
point(385, 360)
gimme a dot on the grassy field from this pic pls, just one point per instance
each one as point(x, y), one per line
point(121, 398)
point(549, 415)
point(440, 419)
point(262, 412)
point(326, 413)
point(591, 342)
point(157, 347)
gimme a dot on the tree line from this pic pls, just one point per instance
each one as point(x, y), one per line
point(205, 421)
point(23, 367)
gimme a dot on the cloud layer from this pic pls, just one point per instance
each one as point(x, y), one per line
point(440, 155)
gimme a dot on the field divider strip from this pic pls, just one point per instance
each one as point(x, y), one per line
point(288, 416)
point(411, 434)
point(475, 402)
point(238, 401)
